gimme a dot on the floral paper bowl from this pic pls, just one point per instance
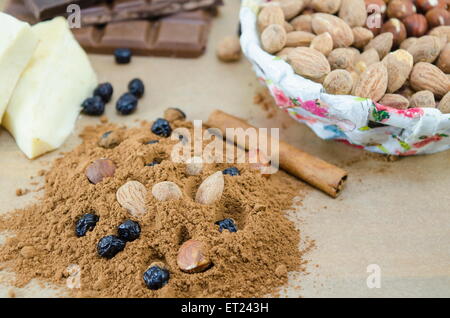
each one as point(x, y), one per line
point(338, 117)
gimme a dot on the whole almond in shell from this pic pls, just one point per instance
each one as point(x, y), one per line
point(302, 23)
point(423, 99)
point(444, 60)
point(343, 58)
point(323, 43)
point(340, 31)
point(270, 14)
point(299, 38)
point(353, 12)
point(211, 189)
point(291, 8)
point(99, 170)
point(131, 196)
point(395, 101)
point(426, 76)
point(444, 104)
point(309, 63)
point(283, 54)
point(373, 82)
point(326, 6)
point(273, 38)
point(426, 49)
point(192, 257)
point(362, 37)
point(399, 65)
point(338, 82)
point(382, 43)
point(166, 191)
point(288, 27)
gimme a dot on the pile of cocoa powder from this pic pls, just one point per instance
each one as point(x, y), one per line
point(252, 262)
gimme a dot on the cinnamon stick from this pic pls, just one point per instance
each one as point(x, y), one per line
point(316, 172)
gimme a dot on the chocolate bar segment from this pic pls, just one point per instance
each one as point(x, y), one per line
point(121, 10)
point(47, 9)
point(181, 35)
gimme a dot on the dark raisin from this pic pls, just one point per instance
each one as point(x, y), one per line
point(161, 127)
point(104, 91)
point(86, 223)
point(152, 164)
point(127, 104)
point(151, 142)
point(123, 56)
point(233, 171)
point(110, 245)
point(136, 87)
point(227, 224)
point(129, 230)
point(156, 277)
point(93, 106)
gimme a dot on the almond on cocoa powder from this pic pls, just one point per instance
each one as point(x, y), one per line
point(192, 257)
point(211, 189)
point(131, 196)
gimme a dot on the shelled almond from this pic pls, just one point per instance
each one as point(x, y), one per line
point(395, 52)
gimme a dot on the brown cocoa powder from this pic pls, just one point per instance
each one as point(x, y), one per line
point(252, 262)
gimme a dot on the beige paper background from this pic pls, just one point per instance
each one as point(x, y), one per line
point(394, 214)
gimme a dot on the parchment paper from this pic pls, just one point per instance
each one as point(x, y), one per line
point(393, 214)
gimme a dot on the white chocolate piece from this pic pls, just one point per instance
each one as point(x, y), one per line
point(47, 100)
point(17, 44)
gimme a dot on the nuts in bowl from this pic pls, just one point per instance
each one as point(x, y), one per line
point(341, 65)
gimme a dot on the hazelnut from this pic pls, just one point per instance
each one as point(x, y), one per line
point(100, 169)
point(427, 5)
point(397, 28)
point(400, 9)
point(437, 17)
point(370, 4)
point(192, 257)
point(416, 25)
point(376, 11)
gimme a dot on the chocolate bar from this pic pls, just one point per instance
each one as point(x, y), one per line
point(120, 10)
point(180, 35)
point(95, 12)
point(47, 9)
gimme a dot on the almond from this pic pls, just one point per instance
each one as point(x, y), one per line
point(343, 58)
point(302, 23)
point(426, 76)
point(273, 38)
point(399, 65)
point(444, 60)
point(340, 31)
point(192, 257)
point(283, 54)
point(408, 43)
point(444, 104)
point(288, 27)
point(373, 82)
point(423, 99)
point(309, 63)
point(365, 59)
point(99, 170)
point(299, 38)
point(323, 43)
point(362, 37)
point(166, 191)
point(194, 166)
point(326, 6)
point(442, 31)
point(211, 189)
point(291, 8)
point(426, 49)
point(395, 101)
point(382, 43)
point(353, 12)
point(338, 82)
point(270, 14)
point(131, 196)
